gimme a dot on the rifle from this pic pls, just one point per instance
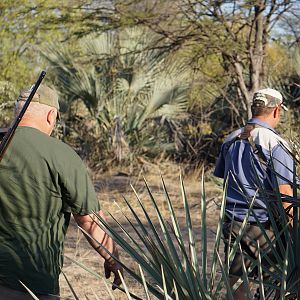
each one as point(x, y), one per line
point(11, 131)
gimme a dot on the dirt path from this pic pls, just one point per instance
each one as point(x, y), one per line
point(110, 190)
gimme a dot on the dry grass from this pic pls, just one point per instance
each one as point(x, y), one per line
point(110, 189)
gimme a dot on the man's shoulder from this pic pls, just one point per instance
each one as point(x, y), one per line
point(63, 150)
point(232, 136)
point(268, 139)
point(60, 144)
point(53, 143)
point(46, 145)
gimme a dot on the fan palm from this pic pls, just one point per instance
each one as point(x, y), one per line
point(125, 86)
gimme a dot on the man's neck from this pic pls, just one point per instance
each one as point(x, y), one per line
point(30, 123)
point(265, 120)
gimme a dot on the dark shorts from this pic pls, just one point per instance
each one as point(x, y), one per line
point(252, 233)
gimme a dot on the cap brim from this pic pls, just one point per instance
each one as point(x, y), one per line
point(284, 107)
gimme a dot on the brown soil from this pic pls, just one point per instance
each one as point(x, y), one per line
point(110, 190)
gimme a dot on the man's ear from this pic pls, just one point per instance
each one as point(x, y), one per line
point(51, 117)
point(276, 112)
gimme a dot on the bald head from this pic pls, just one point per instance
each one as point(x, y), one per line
point(38, 115)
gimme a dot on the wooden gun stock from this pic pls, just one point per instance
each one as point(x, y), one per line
point(11, 131)
point(3, 132)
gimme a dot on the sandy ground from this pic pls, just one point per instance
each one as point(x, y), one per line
point(110, 189)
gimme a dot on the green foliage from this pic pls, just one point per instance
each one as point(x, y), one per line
point(7, 100)
point(126, 50)
point(20, 34)
point(288, 84)
point(25, 27)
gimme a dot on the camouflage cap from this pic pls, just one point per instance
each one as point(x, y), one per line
point(43, 95)
point(270, 98)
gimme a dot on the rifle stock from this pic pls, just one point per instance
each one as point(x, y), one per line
point(11, 131)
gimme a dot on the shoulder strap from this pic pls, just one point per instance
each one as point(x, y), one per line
point(246, 135)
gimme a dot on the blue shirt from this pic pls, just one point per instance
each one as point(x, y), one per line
point(247, 172)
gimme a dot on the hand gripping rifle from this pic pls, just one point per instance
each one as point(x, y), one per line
point(11, 131)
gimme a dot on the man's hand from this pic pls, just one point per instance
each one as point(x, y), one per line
point(112, 266)
point(88, 223)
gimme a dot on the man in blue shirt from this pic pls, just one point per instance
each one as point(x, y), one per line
point(245, 161)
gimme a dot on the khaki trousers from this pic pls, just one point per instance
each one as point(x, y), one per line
point(11, 294)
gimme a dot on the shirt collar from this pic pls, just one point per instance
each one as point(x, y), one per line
point(262, 124)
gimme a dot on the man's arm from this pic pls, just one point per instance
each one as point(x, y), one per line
point(88, 223)
point(283, 165)
point(286, 189)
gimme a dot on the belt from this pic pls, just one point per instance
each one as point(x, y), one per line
point(265, 225)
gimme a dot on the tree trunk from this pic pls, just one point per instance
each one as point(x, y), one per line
point(256, 50)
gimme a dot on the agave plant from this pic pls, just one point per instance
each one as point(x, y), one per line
point(128, 89)
point(170, 263)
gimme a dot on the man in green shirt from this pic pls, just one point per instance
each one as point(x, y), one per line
point(43, 181)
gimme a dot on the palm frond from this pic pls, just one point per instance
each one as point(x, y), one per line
point(99, 46)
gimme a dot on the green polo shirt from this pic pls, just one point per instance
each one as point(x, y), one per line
point(42, 181)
